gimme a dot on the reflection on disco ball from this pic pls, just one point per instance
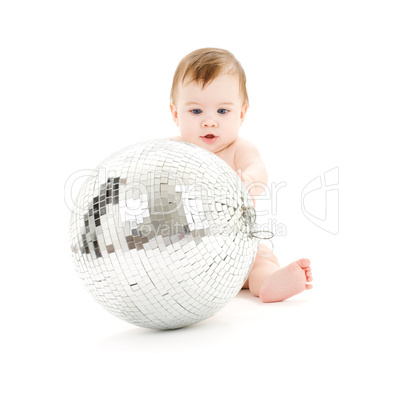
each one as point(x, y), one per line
point(160, 235)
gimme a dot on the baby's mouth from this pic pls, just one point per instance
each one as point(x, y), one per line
point(209, 138)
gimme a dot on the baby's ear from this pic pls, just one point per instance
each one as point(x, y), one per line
point(173, 109)
point(243, 112)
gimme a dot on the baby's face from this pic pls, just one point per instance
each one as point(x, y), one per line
point(210, 117)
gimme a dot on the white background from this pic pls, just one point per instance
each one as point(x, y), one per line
point(82, 79)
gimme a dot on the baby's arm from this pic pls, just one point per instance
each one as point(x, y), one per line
point(252, 168)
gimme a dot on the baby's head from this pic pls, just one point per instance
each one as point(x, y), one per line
point(209, 97)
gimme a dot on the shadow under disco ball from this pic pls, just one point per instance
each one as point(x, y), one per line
point(161, 234)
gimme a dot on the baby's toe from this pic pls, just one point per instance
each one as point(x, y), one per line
point(304, 262)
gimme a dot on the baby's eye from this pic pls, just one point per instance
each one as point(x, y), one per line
point(196, 111)
point(222, 111)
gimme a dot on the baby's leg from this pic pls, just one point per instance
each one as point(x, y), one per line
point(272, 283)
point(263, 267)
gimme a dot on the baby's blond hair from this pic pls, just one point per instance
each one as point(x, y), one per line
point(204, 65)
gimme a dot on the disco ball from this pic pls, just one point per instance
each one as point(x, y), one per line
point(161, 234)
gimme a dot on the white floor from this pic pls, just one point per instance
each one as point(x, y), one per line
point(325, 344)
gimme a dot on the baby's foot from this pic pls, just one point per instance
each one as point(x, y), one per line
point(287, 282)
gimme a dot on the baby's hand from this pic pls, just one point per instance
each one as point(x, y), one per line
point(247, 180)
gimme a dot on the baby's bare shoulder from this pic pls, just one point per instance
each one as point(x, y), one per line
point(246, 148)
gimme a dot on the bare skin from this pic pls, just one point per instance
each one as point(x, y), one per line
point(271, 283)
point(200, 112)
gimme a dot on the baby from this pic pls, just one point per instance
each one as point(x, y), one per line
point(209, 103)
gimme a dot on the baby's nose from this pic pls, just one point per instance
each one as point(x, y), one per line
point(209, 123)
